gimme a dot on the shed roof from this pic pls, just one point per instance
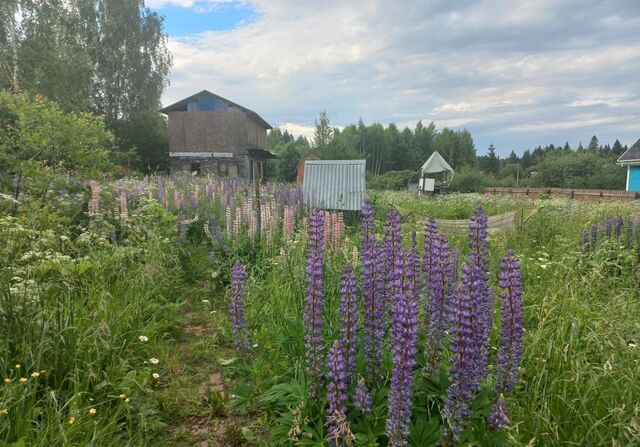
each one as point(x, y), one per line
point(334, 184)
point(631, 155)
point(181, 106)
point(435, 163)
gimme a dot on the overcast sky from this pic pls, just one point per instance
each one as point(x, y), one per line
point(515, 73)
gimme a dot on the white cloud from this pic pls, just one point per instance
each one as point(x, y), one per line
point(504, 69)
point(298, 130)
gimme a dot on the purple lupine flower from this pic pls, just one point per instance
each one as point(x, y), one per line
point(216, 231)
point(374, 307)
point(510, 351)
point(594, 235)
point(349, 320)
point(404, 338)
point(481, 292)
point(236, 308)
point(499, 416)
point(223, 201)
point(392, 240)
point(314, 303)
point(362, 399)
point(585, 241)
point(464, 348)
point(618, 223)
point(336, 392)
point(440, 296)
point(455, 264)
point(373, 276)
point(368, 225)
point(415, 257)
point(608, 227)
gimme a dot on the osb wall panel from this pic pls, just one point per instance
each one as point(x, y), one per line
point(256, 135)
point(208, 131)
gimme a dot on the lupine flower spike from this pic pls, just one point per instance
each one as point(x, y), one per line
point(404, 338)
point(314, 303)
point(362, 399)
point(337, 394)
point(373, 275)
point(510, 350)
point(349, 320)
point(236, 308)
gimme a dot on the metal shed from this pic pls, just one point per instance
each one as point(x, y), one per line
point(334, 184)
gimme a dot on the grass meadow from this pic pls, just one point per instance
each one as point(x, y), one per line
point(114, 326)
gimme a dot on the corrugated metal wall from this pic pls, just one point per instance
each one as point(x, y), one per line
point(334, 184)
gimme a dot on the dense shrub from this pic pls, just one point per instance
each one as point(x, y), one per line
point(470, 180)
point(392, 180)
point(43, 148)
point(579, 170)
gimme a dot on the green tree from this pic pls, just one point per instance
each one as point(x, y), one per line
point(41, 145)
point(456, 147)
point(108, 57)
point(423, 140)
point(323, 132)
point(617, 149)
point(493, 163)
point(9, 42)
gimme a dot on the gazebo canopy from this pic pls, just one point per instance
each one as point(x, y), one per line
point(435, 164)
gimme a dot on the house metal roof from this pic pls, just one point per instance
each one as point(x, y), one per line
point(180, 105)
point(631, 155)
point(334, 184)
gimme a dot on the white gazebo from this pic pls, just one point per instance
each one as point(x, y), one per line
point(434, 165)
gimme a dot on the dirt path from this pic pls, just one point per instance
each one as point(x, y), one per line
point(196, 391)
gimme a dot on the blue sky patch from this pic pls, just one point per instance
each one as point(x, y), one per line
point(181, 21)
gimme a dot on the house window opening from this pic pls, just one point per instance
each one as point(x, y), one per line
point(195, 167)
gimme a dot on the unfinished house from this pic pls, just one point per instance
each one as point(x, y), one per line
point(208, 133)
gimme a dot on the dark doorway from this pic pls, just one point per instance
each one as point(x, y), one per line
point(195, 167)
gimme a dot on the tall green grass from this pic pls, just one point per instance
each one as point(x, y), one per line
point(81, 317)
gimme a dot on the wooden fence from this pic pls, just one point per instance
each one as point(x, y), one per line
point(585, 195)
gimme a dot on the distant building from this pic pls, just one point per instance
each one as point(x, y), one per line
point(631, 159)
point(209, 133)
point(334, 184)
point(435, 165)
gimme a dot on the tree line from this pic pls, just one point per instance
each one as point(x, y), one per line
point(385, 148)
point(398, 155)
